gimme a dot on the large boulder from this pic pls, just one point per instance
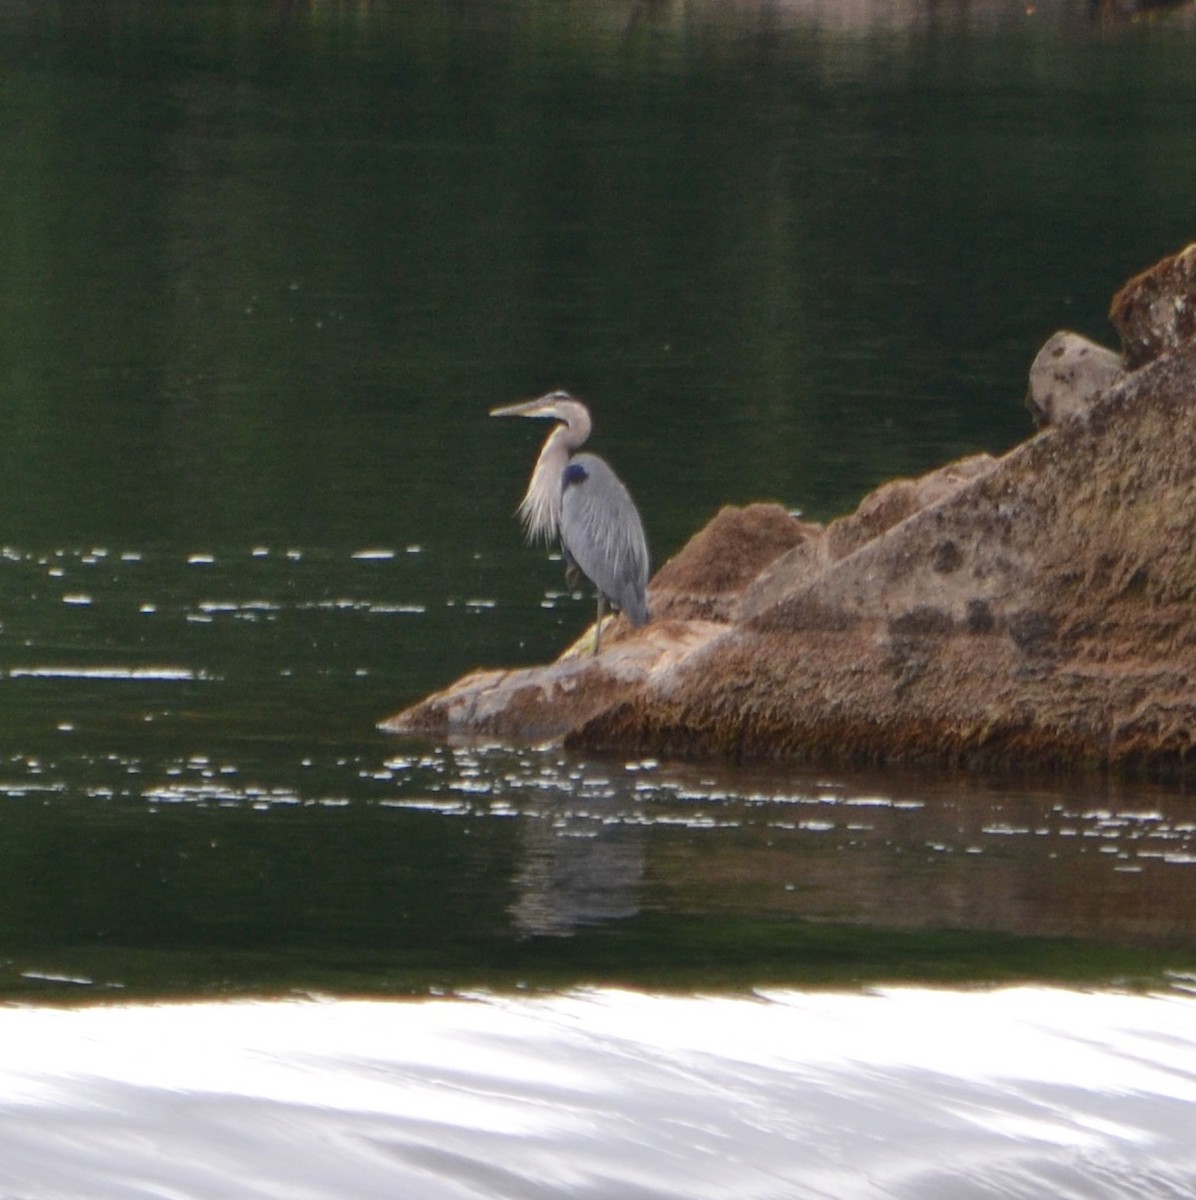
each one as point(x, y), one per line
point(1037, 610)
point(1041, 614)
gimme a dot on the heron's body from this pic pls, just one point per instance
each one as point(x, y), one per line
point(602, 533)
point(580, 500)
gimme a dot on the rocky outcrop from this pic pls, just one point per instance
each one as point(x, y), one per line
point(533, 704)
point(1033, 610)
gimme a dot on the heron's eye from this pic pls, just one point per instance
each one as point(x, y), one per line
point(574, 473)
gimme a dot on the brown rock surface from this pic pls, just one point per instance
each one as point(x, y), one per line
point(545, 703)
point(1034, 610)
point(892, 502)
point(1040, 615)
point(1155, 312)
point(707, 577)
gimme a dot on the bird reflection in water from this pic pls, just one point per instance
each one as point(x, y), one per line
point(575, 870)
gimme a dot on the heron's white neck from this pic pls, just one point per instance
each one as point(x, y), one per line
point(540, 509)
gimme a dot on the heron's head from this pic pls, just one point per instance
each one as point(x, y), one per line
point(556, 406)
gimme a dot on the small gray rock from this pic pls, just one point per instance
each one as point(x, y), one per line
point(1067, 376)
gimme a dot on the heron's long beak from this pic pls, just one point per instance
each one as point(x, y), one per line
point(542, 406)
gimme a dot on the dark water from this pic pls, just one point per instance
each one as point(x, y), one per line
point(265, 268)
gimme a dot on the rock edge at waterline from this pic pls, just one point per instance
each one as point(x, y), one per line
point(1033, 610)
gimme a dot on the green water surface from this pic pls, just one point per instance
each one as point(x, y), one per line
point(264, 269)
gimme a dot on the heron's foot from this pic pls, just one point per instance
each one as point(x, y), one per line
point(589, 645)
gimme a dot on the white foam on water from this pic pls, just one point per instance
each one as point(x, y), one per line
point(1021, 1092)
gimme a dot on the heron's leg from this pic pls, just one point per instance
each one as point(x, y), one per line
point(598, 626)
point(572, 570)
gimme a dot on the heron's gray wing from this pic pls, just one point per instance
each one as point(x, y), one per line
point(601, 530)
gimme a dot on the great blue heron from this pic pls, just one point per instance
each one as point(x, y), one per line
point(579, 499)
